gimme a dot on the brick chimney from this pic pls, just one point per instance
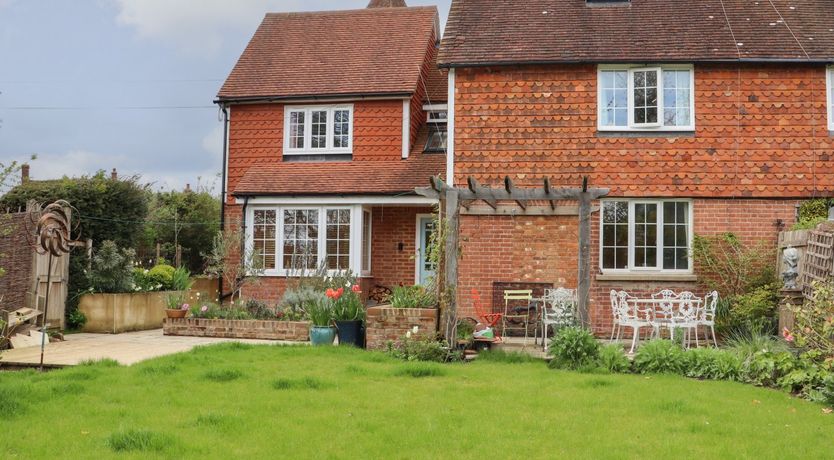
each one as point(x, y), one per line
point(24, 173)
point(114, 175)
point(387, 4)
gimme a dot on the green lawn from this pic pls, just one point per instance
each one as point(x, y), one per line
point(239, 401)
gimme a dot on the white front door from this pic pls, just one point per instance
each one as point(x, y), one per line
point(425, 268)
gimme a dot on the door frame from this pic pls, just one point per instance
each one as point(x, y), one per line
point(418, 253)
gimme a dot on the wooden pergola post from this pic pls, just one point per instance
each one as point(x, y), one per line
point(454, 197)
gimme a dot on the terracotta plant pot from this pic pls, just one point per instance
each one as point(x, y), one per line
point(176, 313)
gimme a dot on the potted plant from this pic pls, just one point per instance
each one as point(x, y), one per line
point(177, 307)
point(348, 312)
point(320, 313)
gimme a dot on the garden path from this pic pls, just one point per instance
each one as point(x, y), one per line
point(127, 348)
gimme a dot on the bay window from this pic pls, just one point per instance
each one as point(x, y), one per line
point(646, 98)
point(290, 240)
point(318, 130)
point(646, 235)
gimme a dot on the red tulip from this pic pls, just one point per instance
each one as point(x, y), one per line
point(356, 288)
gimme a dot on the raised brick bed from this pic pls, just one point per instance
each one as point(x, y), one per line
point(238, 329)
point(384, 324)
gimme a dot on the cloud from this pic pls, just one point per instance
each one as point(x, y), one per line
point(196, 26)
point(213, 142)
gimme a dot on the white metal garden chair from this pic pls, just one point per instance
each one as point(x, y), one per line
point(685, 316)
point(627, 313)
point(707, 316)
point(558, 309)
point(663, 312)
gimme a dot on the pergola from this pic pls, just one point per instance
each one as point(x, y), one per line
point(453, 198)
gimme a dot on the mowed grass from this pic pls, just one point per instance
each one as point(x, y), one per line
point(240, 401)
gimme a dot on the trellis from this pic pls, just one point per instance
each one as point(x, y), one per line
point(453, 198)
point(818, 261)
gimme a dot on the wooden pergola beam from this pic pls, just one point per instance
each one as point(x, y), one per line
point(454, 196)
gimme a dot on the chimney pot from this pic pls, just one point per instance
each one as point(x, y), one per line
point(24, 173)
point(187, 188)
point(114, 175)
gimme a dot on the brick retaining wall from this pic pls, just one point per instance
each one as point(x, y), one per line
point(238, 329)
point(384, 324)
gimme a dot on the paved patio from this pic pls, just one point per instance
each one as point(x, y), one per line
point(127, 348)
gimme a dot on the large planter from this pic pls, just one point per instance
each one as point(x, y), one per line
point(322, 335)
point(291, 331)
point(115, 313)
point(350, 333)
point(385, 324)
point(176, 313)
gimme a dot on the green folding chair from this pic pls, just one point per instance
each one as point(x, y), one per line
point(525, 295)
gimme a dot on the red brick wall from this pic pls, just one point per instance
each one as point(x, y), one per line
point(256, 135)
point(391, 266)
point(515, 249)
point(760, 131)
point(545, 249)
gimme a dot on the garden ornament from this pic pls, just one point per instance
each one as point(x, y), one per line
point(790, 257)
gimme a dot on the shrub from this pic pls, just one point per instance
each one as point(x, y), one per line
point(76, 319)
point(711, 363)
point(290, 313)
point(259, 310)
point(745, 344)
point(659, 357)
point(612, 358)
point(754, 311)
point(296, 298)
point(573, 348)
point(814, 322)
point(807, 378)
point(812, 212)
point(828, 390)
point(412, 297)
point(162, 275)
point(422, 348)
point(142, 282)
point(731, 266)
point(766, 368)
point(112, 269)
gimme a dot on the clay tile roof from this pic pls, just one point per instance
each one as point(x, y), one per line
point(437, 84)
point(369, 51)
point(392, 177)
point(482, 32)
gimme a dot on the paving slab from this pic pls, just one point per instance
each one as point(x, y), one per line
point(127, 348)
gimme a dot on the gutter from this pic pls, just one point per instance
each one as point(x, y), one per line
point(314, 97)
point(453, 65)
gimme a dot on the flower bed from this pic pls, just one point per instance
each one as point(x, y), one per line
point(388, 324)
point(293, 331)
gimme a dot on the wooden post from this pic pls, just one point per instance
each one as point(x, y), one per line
point(450, 316)
point(584, 287)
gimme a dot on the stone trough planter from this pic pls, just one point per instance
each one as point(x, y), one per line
point(292, 331)
point(115, 313)
point(386, 323)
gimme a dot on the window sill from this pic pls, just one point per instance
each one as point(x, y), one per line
point(648, 133)
point(648, 276)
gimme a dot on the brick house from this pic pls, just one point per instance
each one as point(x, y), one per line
point(701, 118)
point(332, 119)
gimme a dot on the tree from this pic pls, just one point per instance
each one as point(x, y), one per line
point(226, 260)
point(190, 219)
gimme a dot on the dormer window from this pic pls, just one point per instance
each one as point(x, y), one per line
point(658, 98)
point(318, 130)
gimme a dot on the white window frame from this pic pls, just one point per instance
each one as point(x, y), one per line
point(658, 268)
point(829, 91)
point(308, 129)
point(367, 251)
point(653, 127)
point(356, 216)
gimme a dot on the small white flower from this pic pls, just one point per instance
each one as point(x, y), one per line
point(408, 334)
point(415, 329)
point(347, 284)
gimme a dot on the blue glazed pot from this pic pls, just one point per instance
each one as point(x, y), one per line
point(322, 335)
